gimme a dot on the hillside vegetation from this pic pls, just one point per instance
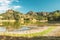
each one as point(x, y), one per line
point(15, 15)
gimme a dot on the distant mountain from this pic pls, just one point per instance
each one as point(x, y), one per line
point(11, 14)
point(31, 13)
point(15, 15)
point(38, 15)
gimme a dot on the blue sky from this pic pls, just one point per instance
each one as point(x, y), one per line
point(30, 5)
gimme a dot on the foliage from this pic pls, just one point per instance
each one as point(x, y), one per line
point(54, 16)
point(14, 15)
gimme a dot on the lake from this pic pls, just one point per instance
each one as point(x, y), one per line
point(3, 29)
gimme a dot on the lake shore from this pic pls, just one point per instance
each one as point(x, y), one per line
point(29, 33)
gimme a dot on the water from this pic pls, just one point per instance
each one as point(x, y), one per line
point(3, 29)
point(15, 26)
point(22, 29)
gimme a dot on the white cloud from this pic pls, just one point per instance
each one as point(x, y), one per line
point(5, 2)
point(5, 5)
point(16, 7)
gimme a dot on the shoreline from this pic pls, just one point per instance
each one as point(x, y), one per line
point(39, 32)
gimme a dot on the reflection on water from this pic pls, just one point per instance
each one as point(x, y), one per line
point(22, 29)
point(17, 26)
point(13, 26)
point(2, 29)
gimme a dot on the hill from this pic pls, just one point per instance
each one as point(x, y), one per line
point(15, 15)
